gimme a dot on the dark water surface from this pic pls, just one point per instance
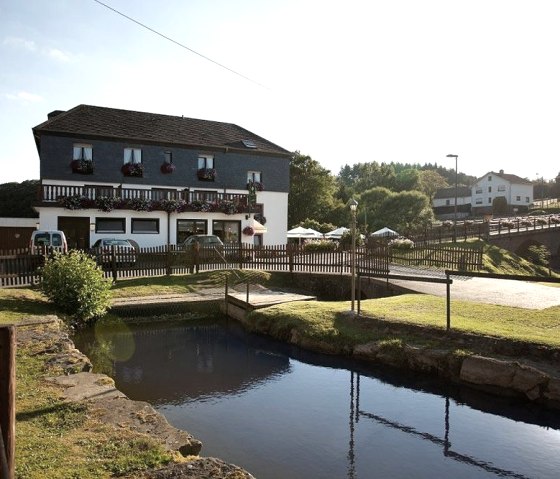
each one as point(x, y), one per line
point(280, 412)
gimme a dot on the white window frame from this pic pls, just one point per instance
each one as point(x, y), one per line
point(254, 176)
point(82, 151)
point(206, 162)
point(501, 187)
point(133, 155)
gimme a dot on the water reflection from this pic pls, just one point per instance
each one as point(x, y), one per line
point(282, 412)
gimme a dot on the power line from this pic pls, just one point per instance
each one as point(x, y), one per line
point(179, 44)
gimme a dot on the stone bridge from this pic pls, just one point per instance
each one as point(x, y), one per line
point(518, 240)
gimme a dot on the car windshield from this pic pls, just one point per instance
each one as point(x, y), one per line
point(115, 242)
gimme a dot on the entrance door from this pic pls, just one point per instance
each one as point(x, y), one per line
point(76, 229)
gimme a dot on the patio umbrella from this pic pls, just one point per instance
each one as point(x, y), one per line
point(337, 233)
point(385, 232)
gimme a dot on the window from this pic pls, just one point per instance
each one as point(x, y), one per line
point(501, 187)
point(206, 170)
point(167, 157)
point(145, 226)
point(489, 189)
point(254, 176)
point(110, 225)
point(518, 198)
point(82, 152)
point(527, 199)
point(133, 155)
point(227, 231)
point(447, 202)
point(478, 201)
point(186, 228)
point(478, 191)
point(490, 200)
point(205, 162)
point(490, 178)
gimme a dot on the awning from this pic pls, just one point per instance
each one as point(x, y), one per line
point(257, 227)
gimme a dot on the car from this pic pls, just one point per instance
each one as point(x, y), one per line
point(205, 241)
point(125, 253)
point(48, 239)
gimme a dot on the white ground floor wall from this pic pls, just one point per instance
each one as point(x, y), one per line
point(167, 224)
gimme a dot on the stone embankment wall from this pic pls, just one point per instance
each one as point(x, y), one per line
point(500, 367)
point(79, 384)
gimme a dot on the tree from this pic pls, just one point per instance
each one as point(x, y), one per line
point(16, 199)
point(405, 212)
point(407, 179)
point(499, 205)
point(312, 190)
point(430, 181)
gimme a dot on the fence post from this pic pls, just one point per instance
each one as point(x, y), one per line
point(448, 298)
point(168, 259)
point(7, 399)
point(114, 262)
point(196, 256)
point(290, 258)
point(226, 298)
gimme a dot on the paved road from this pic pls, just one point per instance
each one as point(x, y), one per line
point(521, 294)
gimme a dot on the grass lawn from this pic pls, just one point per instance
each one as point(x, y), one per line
point(328, 321)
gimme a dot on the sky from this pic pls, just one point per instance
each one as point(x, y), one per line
point(348, 82)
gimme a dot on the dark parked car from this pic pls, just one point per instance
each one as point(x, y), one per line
point(125, 253)
point(205, 241)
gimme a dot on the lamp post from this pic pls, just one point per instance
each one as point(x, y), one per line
point(353, 204)
point(455, 209)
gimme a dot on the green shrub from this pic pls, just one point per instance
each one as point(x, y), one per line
point(75, 284)
point(320, 245)
point(538, 254)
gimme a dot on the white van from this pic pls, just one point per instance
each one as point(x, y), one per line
point(51, 239)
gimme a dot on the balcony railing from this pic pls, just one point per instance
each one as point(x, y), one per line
point(107, 198)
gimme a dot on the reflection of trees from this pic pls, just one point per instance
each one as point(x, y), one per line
point(100, 353)
point(179, 362)
point(356, 413)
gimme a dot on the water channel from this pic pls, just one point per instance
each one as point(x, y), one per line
point(280, 412)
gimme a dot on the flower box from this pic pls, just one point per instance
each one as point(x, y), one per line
point(248, 231)
point(256, 185)
point(83, 167)
point(133, 169)
point(167, 168)
point(206, 174)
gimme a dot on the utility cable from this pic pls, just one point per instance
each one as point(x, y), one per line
point(179, 44)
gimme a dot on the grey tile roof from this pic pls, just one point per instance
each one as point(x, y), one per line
point(112, 123)
point(508, 177)
point(462, 192)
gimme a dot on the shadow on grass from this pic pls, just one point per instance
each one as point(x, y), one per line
point(26, 306)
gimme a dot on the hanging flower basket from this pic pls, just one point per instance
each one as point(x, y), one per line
point(167, 168)
point(248, 231)
point(260, 218)
point(83, 167)
point(133, 169)
point(206, 174)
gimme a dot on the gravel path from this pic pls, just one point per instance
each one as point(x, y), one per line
point(520, 294)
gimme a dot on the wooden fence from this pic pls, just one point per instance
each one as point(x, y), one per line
point(21, 267)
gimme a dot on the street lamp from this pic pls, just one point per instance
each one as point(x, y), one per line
point(455, 210)
point(353, 204)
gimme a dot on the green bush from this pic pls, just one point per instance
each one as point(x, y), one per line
point(320, 245)
point(75, 284)
point(538, 254)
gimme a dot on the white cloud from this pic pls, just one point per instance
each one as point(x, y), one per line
point(20, 43)
point(57, 54)
point(25, 97)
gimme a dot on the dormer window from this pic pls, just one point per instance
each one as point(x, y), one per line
point(489, 177)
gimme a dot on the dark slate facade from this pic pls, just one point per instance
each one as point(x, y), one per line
point(110, 131)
